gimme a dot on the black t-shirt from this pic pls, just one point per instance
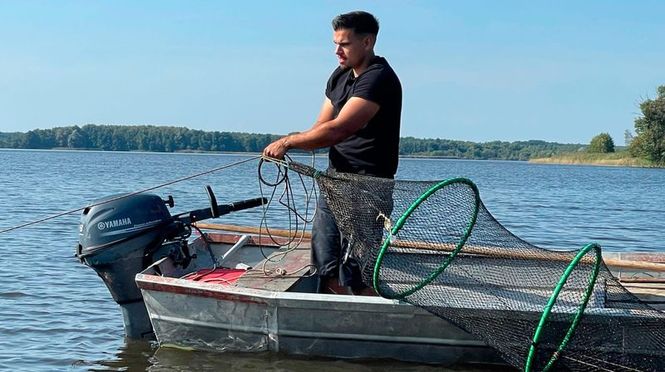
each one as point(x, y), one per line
point(374, 149)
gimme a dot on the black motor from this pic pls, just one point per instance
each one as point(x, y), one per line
point(120, 235)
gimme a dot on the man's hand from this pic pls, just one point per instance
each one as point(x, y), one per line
point(355, 114)
point(278, 148)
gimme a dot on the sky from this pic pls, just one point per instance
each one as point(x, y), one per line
point(478, 71)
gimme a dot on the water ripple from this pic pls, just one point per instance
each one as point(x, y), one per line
point(13, 294)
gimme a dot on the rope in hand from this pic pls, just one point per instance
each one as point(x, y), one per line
point(283, 192)
point(128, 195)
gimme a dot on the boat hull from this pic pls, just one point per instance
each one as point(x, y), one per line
point(202, 316)
point(268, 312)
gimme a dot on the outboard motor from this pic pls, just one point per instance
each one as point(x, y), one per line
point(119, 236)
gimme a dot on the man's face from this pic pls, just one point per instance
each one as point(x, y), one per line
point(351, 49)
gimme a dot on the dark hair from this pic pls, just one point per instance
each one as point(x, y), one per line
point(360, 22)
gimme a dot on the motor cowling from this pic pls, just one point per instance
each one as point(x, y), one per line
point(117, 237)
point(120, 234)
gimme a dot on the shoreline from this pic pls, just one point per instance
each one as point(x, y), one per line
point(619, 162)
point(604, 160)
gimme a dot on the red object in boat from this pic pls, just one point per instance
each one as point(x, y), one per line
point(219, 275)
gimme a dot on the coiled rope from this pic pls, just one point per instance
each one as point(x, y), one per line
point(297, 222)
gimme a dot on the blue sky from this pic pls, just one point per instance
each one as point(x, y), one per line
point(471, 70)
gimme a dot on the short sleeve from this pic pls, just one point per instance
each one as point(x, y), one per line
point(330, 85)
point(370, 86)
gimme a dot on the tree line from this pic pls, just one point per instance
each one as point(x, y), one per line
point(647, 143)
point(171, 139)
point(135, 138)
point(499, 150)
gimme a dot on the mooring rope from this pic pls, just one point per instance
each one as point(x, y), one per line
point(128, 195)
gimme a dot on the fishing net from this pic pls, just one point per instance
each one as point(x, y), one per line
point(436, 246)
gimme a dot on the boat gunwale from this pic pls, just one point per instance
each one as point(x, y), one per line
point(149, 282)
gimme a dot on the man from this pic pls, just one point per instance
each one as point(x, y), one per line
point(360, 122)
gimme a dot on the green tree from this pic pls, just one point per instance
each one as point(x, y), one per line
point(32, 140)
point(649, 140)
point(601, 143)
point(78, 139)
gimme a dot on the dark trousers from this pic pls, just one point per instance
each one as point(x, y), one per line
point(328, 250)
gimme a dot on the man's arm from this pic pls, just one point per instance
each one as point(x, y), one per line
point(327, 112)
point(353, 116)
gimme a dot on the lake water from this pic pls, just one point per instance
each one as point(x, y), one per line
point(56, 314)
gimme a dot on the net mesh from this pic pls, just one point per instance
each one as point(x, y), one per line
point(436, 246)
